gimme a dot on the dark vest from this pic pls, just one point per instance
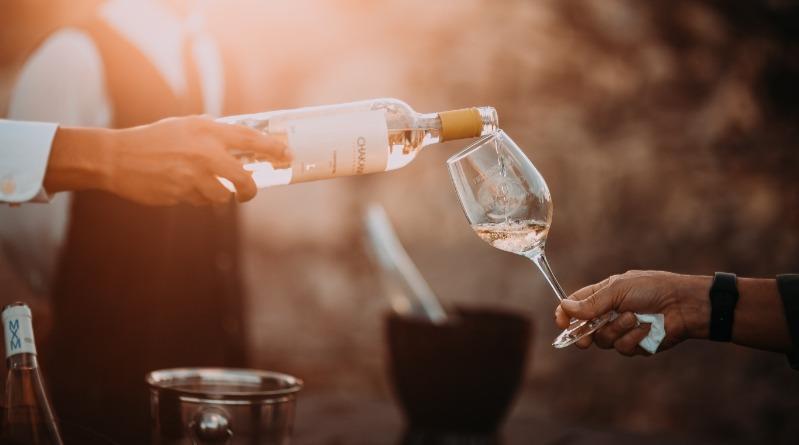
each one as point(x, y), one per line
point(140, 288)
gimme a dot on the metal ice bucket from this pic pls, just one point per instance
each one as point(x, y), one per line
point(220, 406)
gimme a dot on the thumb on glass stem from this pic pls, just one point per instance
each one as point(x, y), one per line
point(582, 309)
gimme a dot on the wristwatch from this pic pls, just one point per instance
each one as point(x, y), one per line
point(723, 298)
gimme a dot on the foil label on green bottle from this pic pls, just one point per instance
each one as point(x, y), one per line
point(352, 143)
point(18, 330)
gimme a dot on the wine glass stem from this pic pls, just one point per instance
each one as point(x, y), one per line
point(540, 260)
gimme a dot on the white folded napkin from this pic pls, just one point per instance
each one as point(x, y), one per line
point(657, 331)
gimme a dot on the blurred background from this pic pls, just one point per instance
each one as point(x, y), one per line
point(665, 129)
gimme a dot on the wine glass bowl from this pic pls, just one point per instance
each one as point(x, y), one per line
point(499, 184)
point(508, 205)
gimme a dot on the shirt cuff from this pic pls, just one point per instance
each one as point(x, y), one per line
point(24, 153)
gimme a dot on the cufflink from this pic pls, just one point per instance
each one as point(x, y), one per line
point(8, 186)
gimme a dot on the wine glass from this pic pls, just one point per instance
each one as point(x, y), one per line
point(508, 205)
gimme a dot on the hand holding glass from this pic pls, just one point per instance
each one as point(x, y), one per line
point(508, 205)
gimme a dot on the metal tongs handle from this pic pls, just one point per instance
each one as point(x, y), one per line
point(411, 294)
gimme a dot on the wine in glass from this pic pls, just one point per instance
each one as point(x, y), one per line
point(508, 205)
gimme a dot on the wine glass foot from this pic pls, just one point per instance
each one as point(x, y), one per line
point(579, 329)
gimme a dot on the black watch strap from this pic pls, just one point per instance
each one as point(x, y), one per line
point(788, 286)
point(723, 298)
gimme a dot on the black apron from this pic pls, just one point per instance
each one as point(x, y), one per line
point(140, 288)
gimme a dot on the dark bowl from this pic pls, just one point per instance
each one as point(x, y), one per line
point(460, 376)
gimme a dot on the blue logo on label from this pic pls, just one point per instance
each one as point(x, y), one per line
point(15, 342)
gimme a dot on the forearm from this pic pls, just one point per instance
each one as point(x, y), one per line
point(759, 318)
point(80, 159)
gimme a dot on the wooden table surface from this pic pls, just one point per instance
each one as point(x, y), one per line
point(327, 419)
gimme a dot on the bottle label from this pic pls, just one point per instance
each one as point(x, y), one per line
point(18, 329)
point(352, 143)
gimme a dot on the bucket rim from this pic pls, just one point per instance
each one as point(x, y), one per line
point(171, 380)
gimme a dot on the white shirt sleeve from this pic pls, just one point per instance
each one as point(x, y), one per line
point(24, 151)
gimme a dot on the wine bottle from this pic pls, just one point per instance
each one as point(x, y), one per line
point(357, 138)
point(407, 291)
point(28, 418)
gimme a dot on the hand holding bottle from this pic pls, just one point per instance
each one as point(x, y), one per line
point(175, 160)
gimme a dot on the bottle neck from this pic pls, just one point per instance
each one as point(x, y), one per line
point(18, 330)
point(467, 122)
point(22, 361)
